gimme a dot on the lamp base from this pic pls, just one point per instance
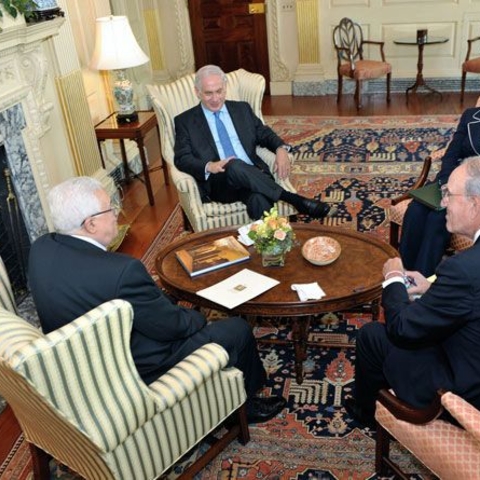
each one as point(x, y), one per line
point(127, 117)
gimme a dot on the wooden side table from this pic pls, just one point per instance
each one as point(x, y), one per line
point(110, 129)
point(420, 42)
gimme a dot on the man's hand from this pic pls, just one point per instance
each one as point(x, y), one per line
point(421, 283)
point(393, 267)
point(217, 167)
point(282, 163)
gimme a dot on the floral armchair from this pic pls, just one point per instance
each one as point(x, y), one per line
point(174, 98)
point(451, 452)
point(78, 398)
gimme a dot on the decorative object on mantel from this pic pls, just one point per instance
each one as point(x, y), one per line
point(273, 237)
point(45, 10)
point(117, 49)
point(17, 7)
point(16, 12)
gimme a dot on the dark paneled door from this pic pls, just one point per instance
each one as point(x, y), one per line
point(231, 34)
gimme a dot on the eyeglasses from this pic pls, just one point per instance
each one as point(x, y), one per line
point(446, 194)
point(115, 209)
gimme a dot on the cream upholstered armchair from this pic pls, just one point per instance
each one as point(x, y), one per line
point(77, 395)
point(174, 98)
point(7, 300)
point(451, 452)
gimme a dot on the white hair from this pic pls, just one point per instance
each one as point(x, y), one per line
point(207, 71)
point(72, 201)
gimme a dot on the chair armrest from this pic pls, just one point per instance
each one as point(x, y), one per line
point(188, 375)
point(421, 180)
point(470, 43)
point(404, 411)
point(464, 412)
point(380, 45)
point(269, 158)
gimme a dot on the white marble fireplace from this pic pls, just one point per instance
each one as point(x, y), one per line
point(25, 115)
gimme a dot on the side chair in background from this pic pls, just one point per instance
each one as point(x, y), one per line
point(451, 452)
point(350, 48)
point(470, 65)
point(79, 399)
point(170, 100)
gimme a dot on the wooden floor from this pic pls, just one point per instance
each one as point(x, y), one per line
point(146, 221)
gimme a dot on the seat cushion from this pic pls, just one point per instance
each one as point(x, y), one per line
point(472, 65)
point(366, 69)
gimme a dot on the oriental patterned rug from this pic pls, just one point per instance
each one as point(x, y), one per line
point(360, 163)
point(357, 163)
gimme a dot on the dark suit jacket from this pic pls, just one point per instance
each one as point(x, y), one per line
point(69, 276)
point(439, 334)
point(195, 146)
point(465, 143)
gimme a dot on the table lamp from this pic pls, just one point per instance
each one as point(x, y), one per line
point(116, 49)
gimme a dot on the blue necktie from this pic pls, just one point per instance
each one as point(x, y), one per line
point(224, 137)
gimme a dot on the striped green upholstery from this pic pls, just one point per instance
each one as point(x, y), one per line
point(174, 98)
point(6, 295)
point(77, 395)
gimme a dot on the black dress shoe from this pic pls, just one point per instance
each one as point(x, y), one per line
point(359, 415)
point(262, 409)
point(316, 209)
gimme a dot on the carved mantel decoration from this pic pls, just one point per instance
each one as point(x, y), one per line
point(25, 114)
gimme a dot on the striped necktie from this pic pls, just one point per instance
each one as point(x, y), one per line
point(224, 137)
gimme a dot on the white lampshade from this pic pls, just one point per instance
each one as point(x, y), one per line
point(115, 45)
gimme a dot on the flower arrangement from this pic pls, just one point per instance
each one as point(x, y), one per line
point(273, 234)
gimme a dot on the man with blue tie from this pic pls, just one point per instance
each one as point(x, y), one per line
point(216, 142)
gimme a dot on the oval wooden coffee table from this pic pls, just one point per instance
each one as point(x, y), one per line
point(354, 279)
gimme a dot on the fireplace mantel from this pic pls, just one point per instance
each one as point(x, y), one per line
point(25, 114)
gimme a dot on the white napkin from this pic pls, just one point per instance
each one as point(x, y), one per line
point(243, 234)
point(308, 291)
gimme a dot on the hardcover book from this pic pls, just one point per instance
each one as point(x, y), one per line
point(212, 255)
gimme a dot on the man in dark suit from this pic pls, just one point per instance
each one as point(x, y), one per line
point(424, 237)
point(431, 342)
point(71, 272)
point(215, 142)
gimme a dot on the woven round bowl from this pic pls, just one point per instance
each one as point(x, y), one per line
point(321, 250)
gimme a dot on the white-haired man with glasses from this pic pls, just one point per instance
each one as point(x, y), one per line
point(430, 342)
point(71, 272)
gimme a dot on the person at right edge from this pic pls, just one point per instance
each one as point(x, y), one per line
point(424, 237)
point(431, 335)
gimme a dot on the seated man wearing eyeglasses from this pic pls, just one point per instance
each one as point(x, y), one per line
point(432, 342)
point(71, 272)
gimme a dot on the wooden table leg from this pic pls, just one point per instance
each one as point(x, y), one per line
point(146, 172)
point(300, 329)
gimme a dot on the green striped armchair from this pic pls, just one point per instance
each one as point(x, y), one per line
point(170, 100)
point(79, 399)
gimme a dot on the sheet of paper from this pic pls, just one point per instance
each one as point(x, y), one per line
point(239, 288)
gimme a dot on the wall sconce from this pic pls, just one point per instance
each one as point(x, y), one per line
point(116, 49)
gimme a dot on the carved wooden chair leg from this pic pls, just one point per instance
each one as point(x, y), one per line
point(389, 78)
point(382, 450)
point(462, 92)
point(394, 235)
point(357, 94)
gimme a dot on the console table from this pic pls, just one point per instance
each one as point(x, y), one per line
point(110, 129)
point(354, 279)
point(420, 42)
